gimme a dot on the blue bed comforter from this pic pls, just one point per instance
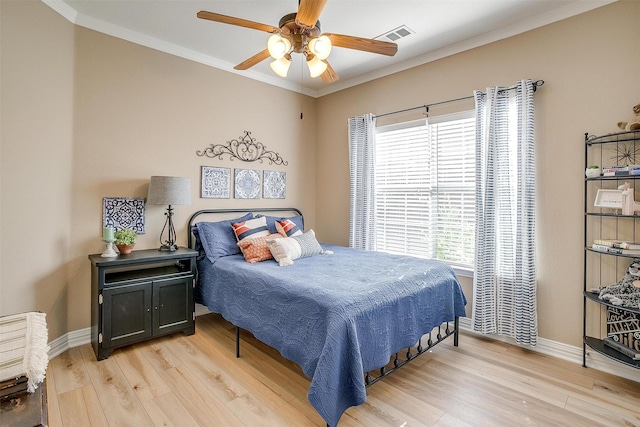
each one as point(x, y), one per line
point(337, 316)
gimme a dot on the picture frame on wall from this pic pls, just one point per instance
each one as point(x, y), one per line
point(247, 184)
point(124, 212)
point(215, 182)
point(274, 184)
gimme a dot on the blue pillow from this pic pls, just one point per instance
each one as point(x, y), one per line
point(271, 222)
point(217, 238)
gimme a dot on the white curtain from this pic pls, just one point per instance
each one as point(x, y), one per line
point(362, 219)
point(505, 274)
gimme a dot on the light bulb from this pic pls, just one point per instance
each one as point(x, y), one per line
point(320, 47)
point(281, 66)
point(278, 46)
point(316, 66)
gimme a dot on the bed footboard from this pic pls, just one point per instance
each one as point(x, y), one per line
point(443, 332)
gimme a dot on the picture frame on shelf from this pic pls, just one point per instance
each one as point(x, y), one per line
point(608, 199)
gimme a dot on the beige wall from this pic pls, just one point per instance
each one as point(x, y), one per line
point(36, 167)
point(87, 116)
point(590, 65)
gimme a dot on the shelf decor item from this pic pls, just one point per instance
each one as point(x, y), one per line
point(169, 190)
point(592, 171)
point(108, 238)
point(125, 240)
point(608, 199)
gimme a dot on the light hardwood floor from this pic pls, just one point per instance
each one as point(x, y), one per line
point(197, 381)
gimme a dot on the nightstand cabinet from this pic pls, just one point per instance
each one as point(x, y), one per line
point(142, 295)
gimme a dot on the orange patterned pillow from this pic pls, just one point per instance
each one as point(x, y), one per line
point(257, 249)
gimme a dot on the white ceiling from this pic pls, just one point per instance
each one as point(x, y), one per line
point(441, 28)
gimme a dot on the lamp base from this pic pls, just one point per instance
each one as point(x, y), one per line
point(108, 251)
point(170, 248)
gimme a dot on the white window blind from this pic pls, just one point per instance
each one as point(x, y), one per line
point(425, 189)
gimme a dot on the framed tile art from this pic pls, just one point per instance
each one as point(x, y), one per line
point(215, 183)
point(247, 184)
point(123, 212)
point(274, 185)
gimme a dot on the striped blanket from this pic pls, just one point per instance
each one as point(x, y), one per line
point(23, 348)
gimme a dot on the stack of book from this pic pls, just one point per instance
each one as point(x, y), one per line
point(621, 170)
point(614, 246)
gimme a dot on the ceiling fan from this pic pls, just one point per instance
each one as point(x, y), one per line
point(300, 33)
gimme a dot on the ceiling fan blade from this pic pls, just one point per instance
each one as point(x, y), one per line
point(216, 17)
point(329, 76)
point(309, 11)
point(367, 45)
point(259, 57)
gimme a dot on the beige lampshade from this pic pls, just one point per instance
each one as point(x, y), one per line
point(169, 190)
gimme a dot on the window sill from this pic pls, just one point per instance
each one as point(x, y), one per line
point(462, 271)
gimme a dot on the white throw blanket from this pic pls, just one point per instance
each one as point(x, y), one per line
point(23, 348)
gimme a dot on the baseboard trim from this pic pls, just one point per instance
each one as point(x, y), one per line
point(566, 352)
point(545, 346)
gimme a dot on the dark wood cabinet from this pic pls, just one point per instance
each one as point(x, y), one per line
point(142, 295)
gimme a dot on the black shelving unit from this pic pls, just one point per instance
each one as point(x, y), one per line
point(604, 268)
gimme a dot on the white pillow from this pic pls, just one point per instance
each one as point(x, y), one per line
point(287, 249)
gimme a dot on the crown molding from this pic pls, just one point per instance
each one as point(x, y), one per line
point(575, 8)
point(572, 9)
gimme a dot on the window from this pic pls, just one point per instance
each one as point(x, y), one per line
point(425, 189)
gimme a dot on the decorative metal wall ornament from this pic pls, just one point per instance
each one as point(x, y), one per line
point(244, 148)
point(274, 184)
point(247, 184)
point(626, 154)
point(215, 183)
point(123, 212)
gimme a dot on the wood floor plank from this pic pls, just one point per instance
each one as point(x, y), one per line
point(167, 411)
point(201, 404)
point(480, 383)
point(53, 405)
point(81, 407)
point(252, 412)
point(120, 404)
point(419, 409)
point(217, 380)
point(604, 415)
point(69, 371)
point(141, 375)
point(376, 411)
point(246, 373)
point(75, 412)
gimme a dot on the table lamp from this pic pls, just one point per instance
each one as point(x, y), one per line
point(169, 190)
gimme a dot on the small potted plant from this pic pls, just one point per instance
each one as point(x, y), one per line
point(592, 171)
point(125, 240)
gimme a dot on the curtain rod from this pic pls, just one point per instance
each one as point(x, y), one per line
point(426, 106)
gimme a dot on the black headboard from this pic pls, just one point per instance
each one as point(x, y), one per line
point(192, 219)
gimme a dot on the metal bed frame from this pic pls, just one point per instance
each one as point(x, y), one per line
point(444, 330)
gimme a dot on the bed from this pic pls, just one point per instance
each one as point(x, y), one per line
point(340, 314)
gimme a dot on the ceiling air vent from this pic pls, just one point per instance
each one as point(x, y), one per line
point(396, 34)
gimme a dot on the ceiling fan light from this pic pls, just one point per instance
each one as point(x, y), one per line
point(281, 66)
point(278, 46)
point(320, 47)
point(316, 66)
